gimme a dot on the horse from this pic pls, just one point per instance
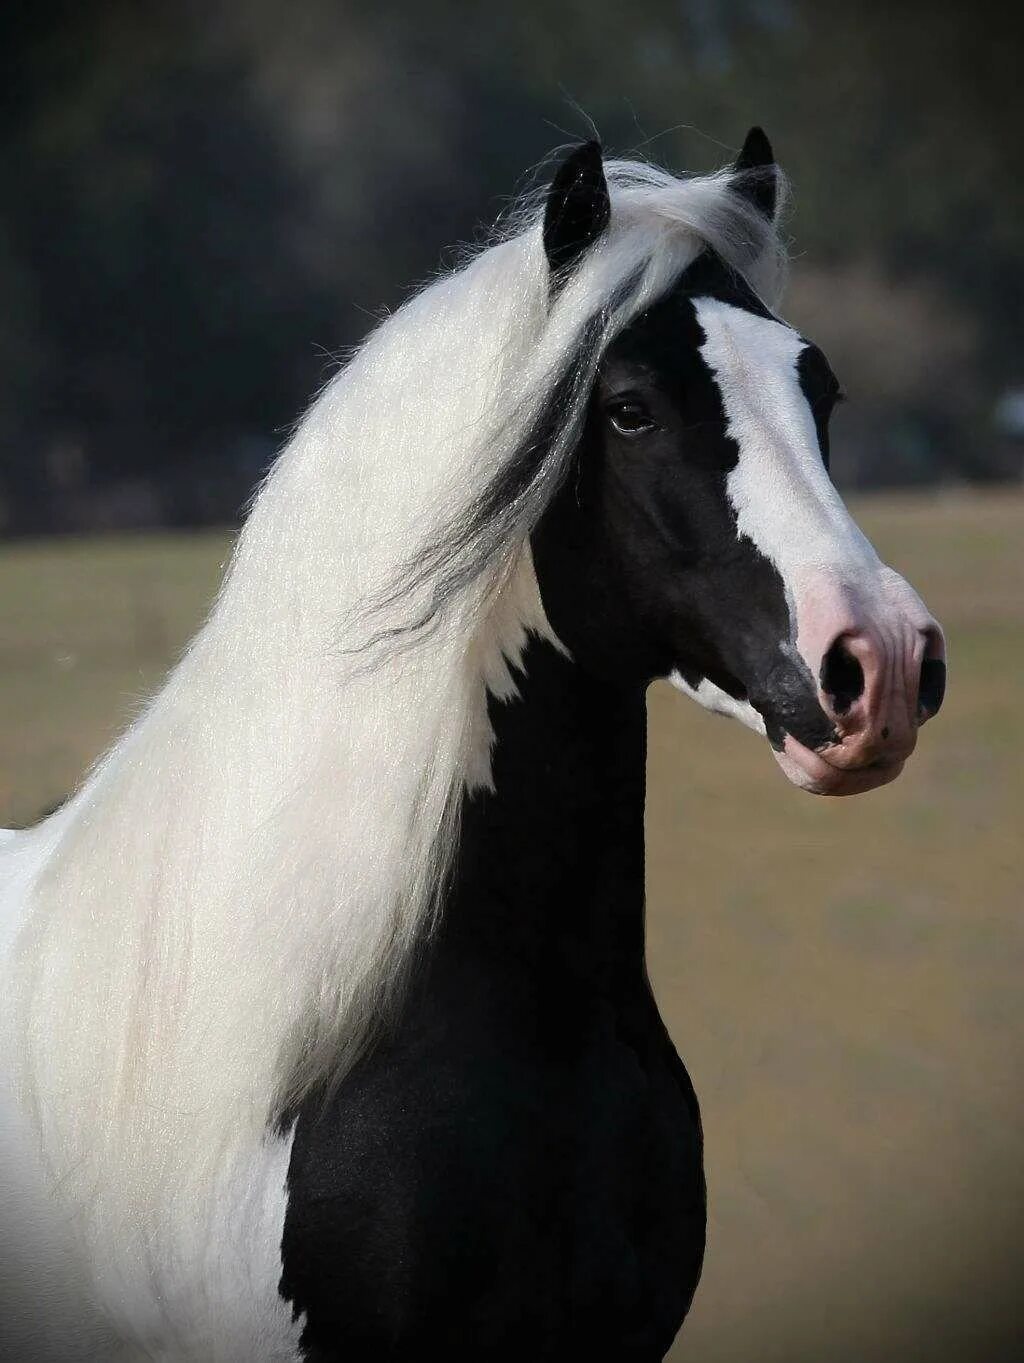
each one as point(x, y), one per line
point(327, 1026)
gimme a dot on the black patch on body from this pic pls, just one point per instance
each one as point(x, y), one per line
point(516, 1173)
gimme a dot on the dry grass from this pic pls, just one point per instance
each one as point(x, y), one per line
point(843, 978)
point(87, 630)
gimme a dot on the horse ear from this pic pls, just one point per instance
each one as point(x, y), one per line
point(757, 173)
point(577, 208)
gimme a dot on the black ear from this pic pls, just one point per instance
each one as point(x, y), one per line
point(757, 178)
point(577, 208)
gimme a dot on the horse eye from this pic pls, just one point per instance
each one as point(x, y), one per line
point(630, 418)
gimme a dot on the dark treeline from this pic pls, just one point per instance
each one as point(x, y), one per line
point(204, 203)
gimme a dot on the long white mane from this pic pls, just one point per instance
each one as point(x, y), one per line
point(233, 897)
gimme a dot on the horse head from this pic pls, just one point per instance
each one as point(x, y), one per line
point(699, 535)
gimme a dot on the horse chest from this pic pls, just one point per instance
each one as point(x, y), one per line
point(517, 1176)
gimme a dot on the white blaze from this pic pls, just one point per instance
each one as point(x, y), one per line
point(785, 502)
point(780, 490)
point(783, 497)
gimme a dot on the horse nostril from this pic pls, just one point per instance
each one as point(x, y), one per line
point(842, 677)
point(931, 688)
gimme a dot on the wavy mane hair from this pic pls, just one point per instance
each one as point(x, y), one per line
point(228, 907)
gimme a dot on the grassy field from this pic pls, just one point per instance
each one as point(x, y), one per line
point(843, 978)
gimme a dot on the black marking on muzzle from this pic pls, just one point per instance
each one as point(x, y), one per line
point(776, 734)
point(788, 703)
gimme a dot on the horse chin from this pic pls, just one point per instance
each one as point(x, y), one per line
point(811, 772)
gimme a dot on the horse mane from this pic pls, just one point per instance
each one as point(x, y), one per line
point(235, 894)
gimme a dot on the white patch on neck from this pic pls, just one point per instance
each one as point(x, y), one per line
point(784, 500)
point(498, 647)
point(719, 702)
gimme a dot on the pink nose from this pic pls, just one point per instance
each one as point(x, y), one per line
point(879, 688)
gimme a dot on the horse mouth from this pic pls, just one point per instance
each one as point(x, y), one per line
point(810, 771)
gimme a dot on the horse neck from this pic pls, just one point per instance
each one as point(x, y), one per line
point(550, 873)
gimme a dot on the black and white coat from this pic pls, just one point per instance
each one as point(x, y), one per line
point(329, 1019)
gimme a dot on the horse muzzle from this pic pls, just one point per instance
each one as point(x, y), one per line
point(879, 661)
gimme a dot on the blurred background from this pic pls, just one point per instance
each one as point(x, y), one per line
point(205, 204)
